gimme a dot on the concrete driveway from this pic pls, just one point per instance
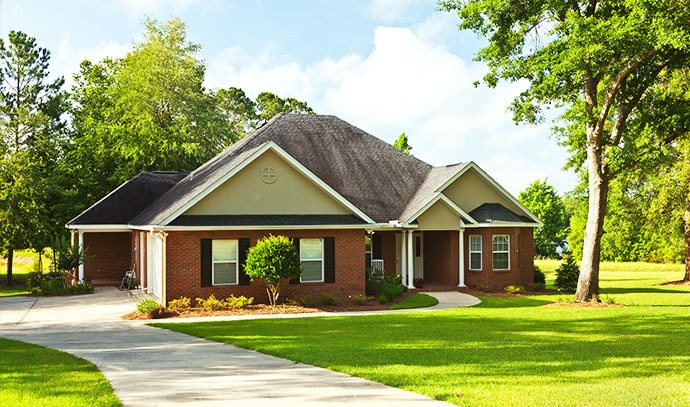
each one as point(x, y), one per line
point(154, 367)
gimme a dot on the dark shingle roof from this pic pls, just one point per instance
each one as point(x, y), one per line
point(129, 199)
point(493, 212)
point(371, 174)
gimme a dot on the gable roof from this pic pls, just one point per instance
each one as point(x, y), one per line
point(129, 199)
point(365, 171)
point(495, 212)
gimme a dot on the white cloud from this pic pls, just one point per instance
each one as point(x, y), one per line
point(67, 59)
point(413, 85)
point(388, 11)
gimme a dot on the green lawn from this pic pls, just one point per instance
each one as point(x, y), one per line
point(507, 351)
point(32, 375)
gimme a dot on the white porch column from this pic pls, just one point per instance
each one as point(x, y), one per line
point(81, 247)
point(410, 260)
point(461, 262)
point(403, 256)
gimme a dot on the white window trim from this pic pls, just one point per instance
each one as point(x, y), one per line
point(481, 256)
point(313, 260)
point(507, 252)
point(214, 262)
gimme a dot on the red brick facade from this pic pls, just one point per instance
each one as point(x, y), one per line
point(521, 271)
point(183, 265)
point(107, 255)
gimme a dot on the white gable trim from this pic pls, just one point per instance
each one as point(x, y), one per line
point(270, 145)
point(447, 201)
point(496, 186)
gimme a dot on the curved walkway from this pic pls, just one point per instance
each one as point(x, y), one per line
point(154, 367)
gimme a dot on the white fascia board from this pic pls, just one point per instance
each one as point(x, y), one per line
point(270, 145)
point(508, 225)
point(257, 227)
point(447, 201)
point(100, 228)
point(494, 184)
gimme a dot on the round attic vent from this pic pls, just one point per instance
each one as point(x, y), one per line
point(269, 175)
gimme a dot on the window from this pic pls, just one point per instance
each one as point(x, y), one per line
point(501, 252)
point(224, 262)
point(475, 252)
point(311, 258)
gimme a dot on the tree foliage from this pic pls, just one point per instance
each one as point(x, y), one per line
point(542, 200)
point(601, 62)
point(402, 144)
point(273, 259)
point(31, 145)
point(146, 111)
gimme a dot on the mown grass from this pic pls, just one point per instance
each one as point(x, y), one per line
point(32, 375)
point(418, 300)
point(23, 264)
point(512, 350)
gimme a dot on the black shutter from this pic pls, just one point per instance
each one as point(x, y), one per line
point(376, 246)
point(206, 270)
point(329, 259)
point(295, 241)
point(243, 246)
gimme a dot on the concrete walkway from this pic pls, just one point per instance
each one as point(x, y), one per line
point(154, 367)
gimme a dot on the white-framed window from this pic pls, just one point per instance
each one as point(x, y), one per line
point(475, 252)
point(224, 262)
point(500, 249)
point(311, 258)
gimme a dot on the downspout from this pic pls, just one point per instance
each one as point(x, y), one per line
point(461, 262)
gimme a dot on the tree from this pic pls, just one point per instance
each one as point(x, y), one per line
point(244, 114)
point(30, 139)
point(599, 62)
point(402, 144)
point(146, 111)
point(273, 259)
point(543, 201)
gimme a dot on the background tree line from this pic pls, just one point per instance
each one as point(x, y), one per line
point(61, 151)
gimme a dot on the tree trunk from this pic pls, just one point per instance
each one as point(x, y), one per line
point(588, 281)
point(10, 260)
point(686, 226)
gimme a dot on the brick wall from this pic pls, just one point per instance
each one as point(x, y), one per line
point(183, 265)
point(441, 257)
point(108, 255)
point(521, 271)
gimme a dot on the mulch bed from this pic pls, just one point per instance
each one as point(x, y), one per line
point(263, 309)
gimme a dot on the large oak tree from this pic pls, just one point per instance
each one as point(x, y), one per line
point(599, 62)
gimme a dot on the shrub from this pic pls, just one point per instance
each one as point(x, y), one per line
point(211, 303)
point(486, 288)
point(375, 282)
point(238, 302)
point(328, 299)
point(382, 299)
point(147, 306)
point(539, 276)
point(361, 299)
point(514, 289)
point(537, 287)
point(303, 300)
point(179, 303)
point(273, 259)
point(567, 274)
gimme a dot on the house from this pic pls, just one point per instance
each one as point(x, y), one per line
point(347, 198)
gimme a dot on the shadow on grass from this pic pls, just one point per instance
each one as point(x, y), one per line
point(641, 290)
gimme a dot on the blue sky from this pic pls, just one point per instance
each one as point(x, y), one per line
point(386, 66)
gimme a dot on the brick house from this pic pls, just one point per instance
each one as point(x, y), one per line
point(348, 199)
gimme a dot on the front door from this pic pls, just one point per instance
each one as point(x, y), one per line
point(418, 255)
